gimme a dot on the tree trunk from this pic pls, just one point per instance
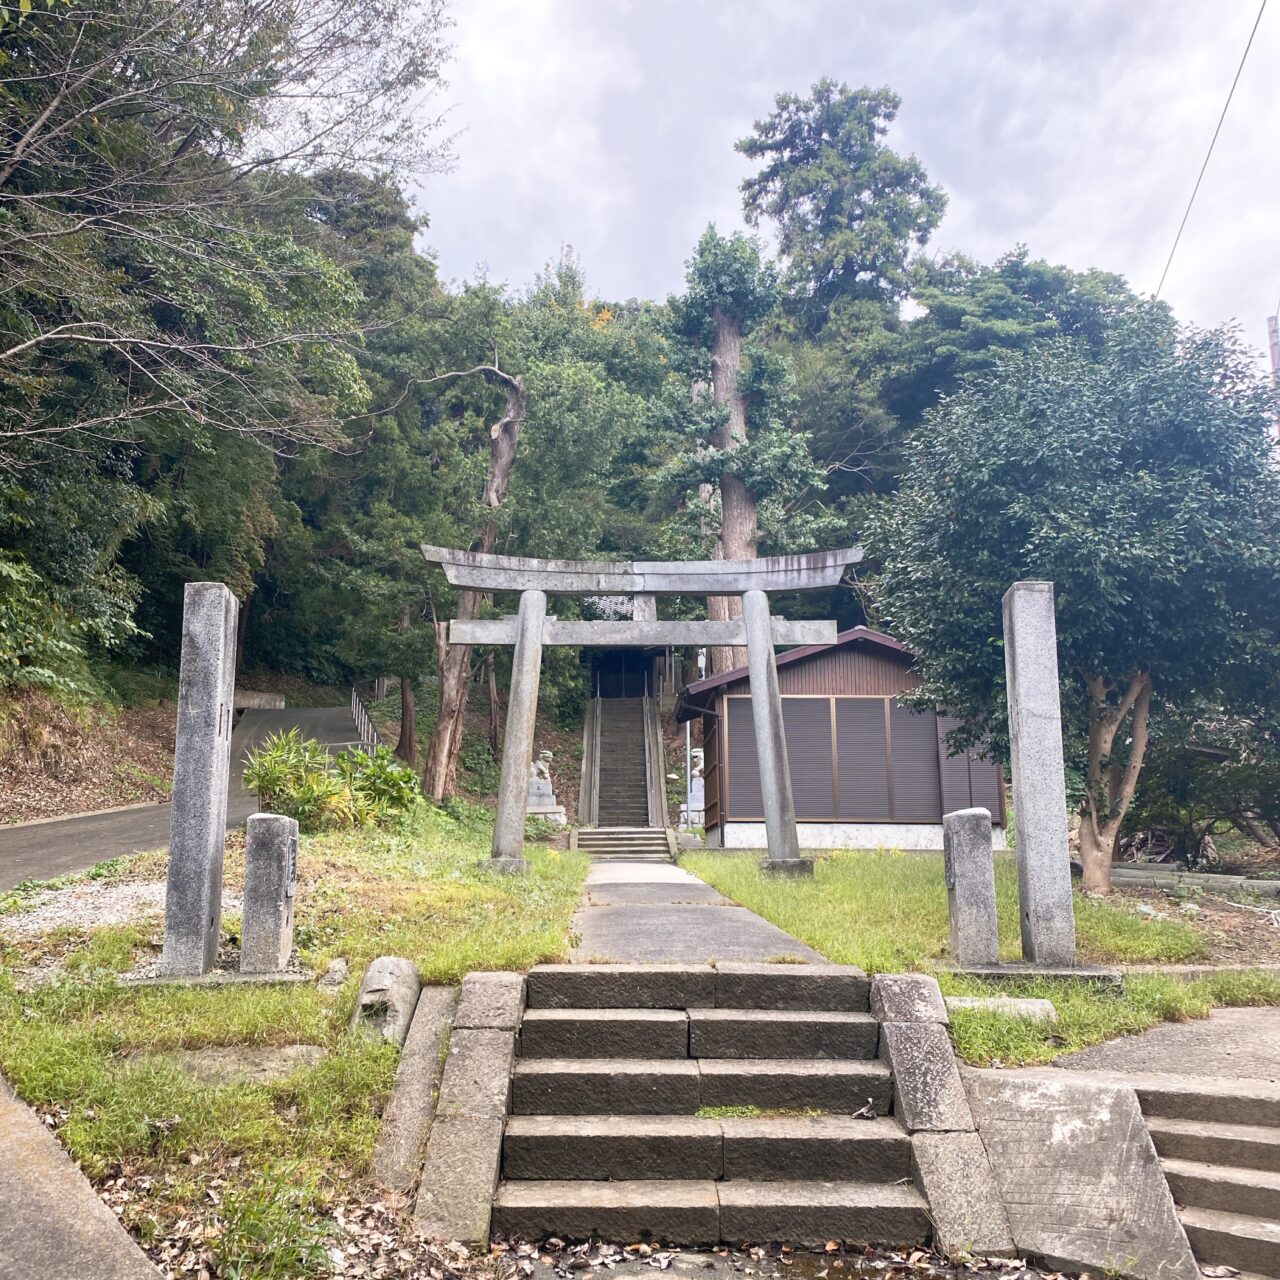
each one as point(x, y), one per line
point(1110, 781)
point(242, 629)
point(407, 746)
point(739, 524)
point(495, 708)
point(440, 773)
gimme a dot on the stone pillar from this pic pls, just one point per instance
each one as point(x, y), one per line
point(971, 886)
point(1039, 785)
point(201, 765)
point(771, 742)
point(517, 747)
point(270, 886)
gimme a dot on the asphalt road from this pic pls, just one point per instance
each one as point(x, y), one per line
point(42, 850)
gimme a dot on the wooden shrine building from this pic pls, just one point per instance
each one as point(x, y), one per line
point(866, 772)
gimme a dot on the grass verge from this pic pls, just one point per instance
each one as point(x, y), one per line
point(95, 1055)
point(886, 911)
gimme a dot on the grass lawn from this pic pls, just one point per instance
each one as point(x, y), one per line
point(257, 1165)
point(887, 912)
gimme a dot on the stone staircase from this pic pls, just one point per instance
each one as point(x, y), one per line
point(701, 1105)
point(624, 844)
point(623, 798)
point(1219, 1143)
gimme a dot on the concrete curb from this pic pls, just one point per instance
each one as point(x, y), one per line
point(949, 1161)
point(397, 1157)
point(464, 1151)
point(1157, 877)
point(52, 1223)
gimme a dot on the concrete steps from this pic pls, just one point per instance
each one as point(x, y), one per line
point(696, 1105)
point(1233, 1240)
point(622, 794)
point(1245, 1146)
point(1219, 1144)
point(706, 1212)
point(627, 844)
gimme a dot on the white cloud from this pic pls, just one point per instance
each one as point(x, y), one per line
point(1074, 126)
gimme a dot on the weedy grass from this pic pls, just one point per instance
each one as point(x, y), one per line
point(97, 1053)
point(887, 911)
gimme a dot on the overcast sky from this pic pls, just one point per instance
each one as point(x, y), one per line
point(1074, 126)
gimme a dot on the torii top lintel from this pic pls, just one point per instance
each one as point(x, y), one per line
point(483, 572)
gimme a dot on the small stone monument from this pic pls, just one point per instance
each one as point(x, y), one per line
point(201, 765)
point(971, 886)
point(541, 800)
point(270, 887)
point(1039, 784)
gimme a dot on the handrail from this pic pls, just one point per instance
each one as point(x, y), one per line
point(364, 725)
point(655, 770)
point(589, 785)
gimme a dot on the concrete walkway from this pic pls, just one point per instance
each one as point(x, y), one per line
point(655, 913)
point(1231, 1044)
point(52, 1224)
point(42, 850)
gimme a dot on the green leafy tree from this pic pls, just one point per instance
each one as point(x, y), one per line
point(1139, 479)
point(848, 209)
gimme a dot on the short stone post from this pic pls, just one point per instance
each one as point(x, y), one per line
point(971, 886)
point(201, 765)
point(1039, 787)
point(517, 747)
point(771, 741)
point(270, 887)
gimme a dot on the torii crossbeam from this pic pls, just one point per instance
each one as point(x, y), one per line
point(531, 628)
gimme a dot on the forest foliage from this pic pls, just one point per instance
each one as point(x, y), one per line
point(225, 355)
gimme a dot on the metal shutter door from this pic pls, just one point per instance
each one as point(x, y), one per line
point(917, 785)
point(986, 781)
point(956, 792)
point(746, 804)
point(863, 760)
point(807, 724)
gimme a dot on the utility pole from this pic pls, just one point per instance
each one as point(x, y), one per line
point(1273, 342)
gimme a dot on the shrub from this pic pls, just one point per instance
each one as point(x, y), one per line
point(296, 776)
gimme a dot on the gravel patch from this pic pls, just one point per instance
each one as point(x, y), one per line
point(90, 906)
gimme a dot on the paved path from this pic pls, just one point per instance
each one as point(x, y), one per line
point(654, 913)
point(52, 1224)
point(42, 850)
point(1228, 1044)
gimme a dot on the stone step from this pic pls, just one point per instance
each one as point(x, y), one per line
point(670, 1086)
point(1215, 1186)
point(705, 1212)
point(1207, 1099)
point(677, 1212)
point(811, 1213)
point(1243, 1146)
point(731, 985)
point(768, 1149)
point(605, 1086)
point(1233, 1240)
point(612, 1148)
point(781, 1033)
point(604, 1033)
point(795, 1084)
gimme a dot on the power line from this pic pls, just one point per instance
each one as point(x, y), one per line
point(1195, 190)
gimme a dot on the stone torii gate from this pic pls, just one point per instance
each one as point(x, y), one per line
point(531, 628)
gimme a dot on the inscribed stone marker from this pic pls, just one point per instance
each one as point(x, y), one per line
point(971, 886)
point(201, 764)
point(1039, 785)
point(270, 887)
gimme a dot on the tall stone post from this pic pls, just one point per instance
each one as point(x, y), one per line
point(201, 765)
point(517, 748)
point(771, 741)
point(1039, 787)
